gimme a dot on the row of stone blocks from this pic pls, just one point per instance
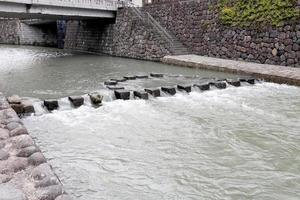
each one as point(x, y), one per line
point(24, 171)
point(156, 92)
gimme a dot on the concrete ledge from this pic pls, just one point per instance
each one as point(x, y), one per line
point(24, 171)
point(273, 73)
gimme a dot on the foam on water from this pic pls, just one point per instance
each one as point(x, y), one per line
point(238, 143)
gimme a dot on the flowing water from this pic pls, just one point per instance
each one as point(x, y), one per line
point(237, 143)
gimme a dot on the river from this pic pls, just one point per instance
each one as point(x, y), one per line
point(237, 143)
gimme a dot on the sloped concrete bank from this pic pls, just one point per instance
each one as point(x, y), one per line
point(24, 171)
point(273, 73)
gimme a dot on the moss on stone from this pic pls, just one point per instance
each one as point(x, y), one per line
point(245, 13)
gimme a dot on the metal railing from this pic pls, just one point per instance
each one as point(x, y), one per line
point(147, 18)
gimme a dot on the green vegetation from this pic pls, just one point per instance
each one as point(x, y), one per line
point(245, 13)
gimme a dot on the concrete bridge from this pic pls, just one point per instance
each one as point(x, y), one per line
point(58, 9)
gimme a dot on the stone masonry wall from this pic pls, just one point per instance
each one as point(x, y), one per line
point(9, 31)
point(196, 25)
point(13, 31)
point(128, 36)
point(24, 171)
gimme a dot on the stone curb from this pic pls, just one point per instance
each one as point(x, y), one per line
point(24, 171)
point(273, 73)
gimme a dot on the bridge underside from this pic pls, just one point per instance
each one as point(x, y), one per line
point(27, 11)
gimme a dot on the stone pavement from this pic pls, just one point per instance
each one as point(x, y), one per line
point(24, 171)
point(273, 73)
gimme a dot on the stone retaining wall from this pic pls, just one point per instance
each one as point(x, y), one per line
point(24, 171)
point(13, 31)
point(128, 37)
point(196, 25)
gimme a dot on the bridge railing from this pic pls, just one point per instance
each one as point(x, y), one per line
point(88, 4)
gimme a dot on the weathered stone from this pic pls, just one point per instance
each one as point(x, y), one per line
point(18, 108)
point(274, 52)
point(119, 79)
point(15, 99)
point(187, 88)
point(96, 98)
point(2, 144)
point(219, 84)
point(16, 164)
point(153, 91)
point(156, 75)
point(27, 151)
point(235, 83)
point(8, 191)
point(51, 104)
point(203, 86)
point(13, 125)
point(110, 83)
point(18, 131)
point(169, 90)
point(28, 107)
point(4, 134)
point(22, 141)
point(41, 172)
point(50, 192)
point(122, 94)
point(141, 95)
point(142, 76)
point(115, 87)
point(47, 181)
point(130, 77)
point(36, 159)
point(63, 197)
point(77, 101)
point(3, 155)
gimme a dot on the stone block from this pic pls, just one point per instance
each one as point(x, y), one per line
point(28, 106)
point(122, 94)
point(142, 76)
point(51, 104)
point(235, 83)
point(18, 108)
point(77, 101)
point(187, 88)
point(156, 75)
point(118, 79)
point(110, 83)
point(219, 84)
point(203, 86)
point(141, 95)
point(15, 99)
point(130, 77)
point(115, 87)
point(169, 90)
point(153, 91)
point(36, 159)
point(96, 98)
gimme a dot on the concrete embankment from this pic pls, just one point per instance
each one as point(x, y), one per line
point(273, 73)
point(24, 171)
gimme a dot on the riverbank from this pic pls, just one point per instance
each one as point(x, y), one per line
point(24, 171)
point(273, 73)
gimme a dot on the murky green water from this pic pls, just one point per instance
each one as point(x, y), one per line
point(237, 143)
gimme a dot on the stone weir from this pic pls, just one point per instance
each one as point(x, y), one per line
point(24, 171)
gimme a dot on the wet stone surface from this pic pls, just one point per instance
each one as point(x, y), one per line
point(22, 165)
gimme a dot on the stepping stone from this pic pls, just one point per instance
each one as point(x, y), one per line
point(115, 87)
point(96, 98)
point(141, 76)
point(248, 80)
point(219, 84)
point(77, 101)
point(235, 83)
point(118, 79)
point(15, 99)
point(51, 104)
point(203, 86)
point(141, 95)
point(156, 75)
point(122, 94)
point(170, 90)
point(186, 88)
point(153, 91)
point(28, 107)
point(110, 83)
point(18, 108)
point(130, 77)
